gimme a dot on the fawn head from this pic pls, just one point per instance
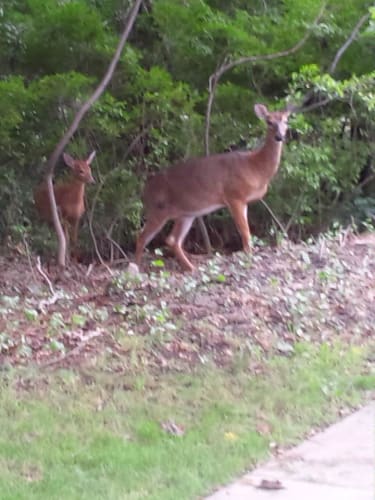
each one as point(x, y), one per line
point(277, 121)
point(81, 169)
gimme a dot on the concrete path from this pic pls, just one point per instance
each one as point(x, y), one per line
point(336, 464)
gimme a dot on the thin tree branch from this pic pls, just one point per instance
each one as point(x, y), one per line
point(61, 257)
point(284, 231)
point(332, 69)
point(347, 44)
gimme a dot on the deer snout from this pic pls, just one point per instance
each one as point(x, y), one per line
point(91, 180)
point(280, 131)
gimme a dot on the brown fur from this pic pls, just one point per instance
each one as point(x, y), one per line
point(200, 186)
point(69, 195)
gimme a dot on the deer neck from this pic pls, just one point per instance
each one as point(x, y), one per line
point(269, 154)
point(78, 187)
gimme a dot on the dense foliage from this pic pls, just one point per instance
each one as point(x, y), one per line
point(52, 54)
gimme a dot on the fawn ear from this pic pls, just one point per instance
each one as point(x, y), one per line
point(91, 157)
point(68, 160)
point(261, 111)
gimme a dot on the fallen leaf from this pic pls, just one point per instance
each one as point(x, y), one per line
point(230, 436)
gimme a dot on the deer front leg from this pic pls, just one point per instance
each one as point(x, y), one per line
point(238, 209)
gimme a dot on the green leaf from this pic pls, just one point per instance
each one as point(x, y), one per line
point(78, 320)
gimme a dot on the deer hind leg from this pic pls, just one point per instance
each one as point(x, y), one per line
point(238, 209)
point(176, 239)
point(149, 231)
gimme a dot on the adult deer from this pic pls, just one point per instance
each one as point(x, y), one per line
point(200, 186)
point(69, 195)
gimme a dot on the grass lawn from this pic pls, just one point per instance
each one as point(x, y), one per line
point(165, 386)
point(70, 435)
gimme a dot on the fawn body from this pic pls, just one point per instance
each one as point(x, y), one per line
point(69, 195)
point(200, 186)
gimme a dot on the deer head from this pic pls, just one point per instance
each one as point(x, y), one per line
point(81, 169)
point(277, 121)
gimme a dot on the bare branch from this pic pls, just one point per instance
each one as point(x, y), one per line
point(347, 44)
point(61, 257)
point(302, 108)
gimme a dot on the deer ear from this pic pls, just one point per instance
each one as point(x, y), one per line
point(68, 160)
point(91, 157)
point(261, 111)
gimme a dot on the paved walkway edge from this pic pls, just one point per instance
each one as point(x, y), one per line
point(336, 464)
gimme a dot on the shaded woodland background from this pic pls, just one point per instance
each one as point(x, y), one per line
point(53, 53)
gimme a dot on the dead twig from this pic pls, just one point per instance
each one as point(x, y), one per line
point(89, 270)
point(114, 243)
point(48, 302)
point(273, 215)
point(44, 276)
point(74, 351)
point(55, 296)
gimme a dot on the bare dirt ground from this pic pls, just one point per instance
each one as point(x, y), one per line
point(164, 319)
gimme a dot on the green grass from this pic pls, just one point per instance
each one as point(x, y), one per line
point(98, 435)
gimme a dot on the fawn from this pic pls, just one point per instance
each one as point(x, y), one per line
point(202, 185)
point(69, 195)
